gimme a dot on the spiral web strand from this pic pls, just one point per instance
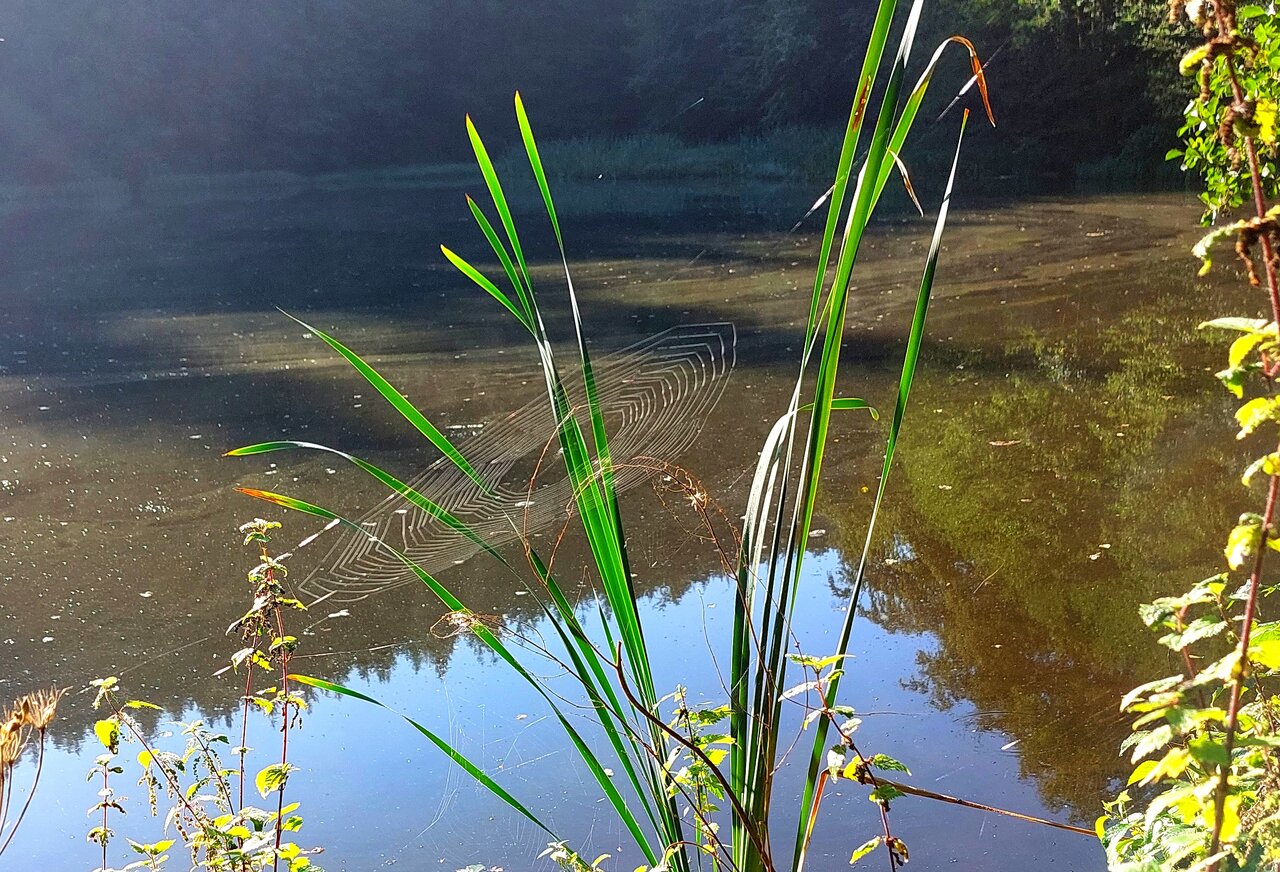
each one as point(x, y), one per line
point(656, 396)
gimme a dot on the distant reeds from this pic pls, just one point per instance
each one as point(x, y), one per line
point(784, 154)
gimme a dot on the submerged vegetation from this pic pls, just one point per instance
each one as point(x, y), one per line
point(1203, 793)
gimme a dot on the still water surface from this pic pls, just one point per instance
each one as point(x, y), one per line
point(1063, 460)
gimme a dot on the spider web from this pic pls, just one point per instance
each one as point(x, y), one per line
point(656, 396)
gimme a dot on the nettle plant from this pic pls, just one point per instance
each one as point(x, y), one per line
point(1205, 793)
point(205, 796)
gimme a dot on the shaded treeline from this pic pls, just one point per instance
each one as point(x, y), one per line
point(135, 87)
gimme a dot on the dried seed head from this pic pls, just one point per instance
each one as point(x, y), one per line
point(43, 706)
point(12, 737)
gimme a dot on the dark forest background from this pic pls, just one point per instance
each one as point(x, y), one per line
point(129, 88)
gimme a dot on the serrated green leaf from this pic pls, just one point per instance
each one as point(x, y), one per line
point(885, 793)
point(1200, 628)
point(1241, 347)
point(887, 763)
point(1233, 378)
point(1142, 770)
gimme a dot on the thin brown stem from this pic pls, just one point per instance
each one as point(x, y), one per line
point(171, 779)
point(955, 800)
point(35, 782)
point(215, 768)
point(864, 766)
point(284, 741)
point(105, 809)
point(729, 793)
point(244, 725)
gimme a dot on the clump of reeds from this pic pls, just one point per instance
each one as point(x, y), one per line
point(25, 723)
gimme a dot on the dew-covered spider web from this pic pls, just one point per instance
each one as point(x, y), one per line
point(656, 396)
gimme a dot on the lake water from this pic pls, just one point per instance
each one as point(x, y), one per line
point(1067, 455)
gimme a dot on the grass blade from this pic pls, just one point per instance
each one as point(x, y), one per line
point(505, 259)
point(489, 287)
point(452, 753)
point(401, 405)
point(499, 199)
point(495, 644)
point(910, 359)
point(912, 107)
point(431, 508)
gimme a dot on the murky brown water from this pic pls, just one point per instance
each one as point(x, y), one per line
point(1064, 460)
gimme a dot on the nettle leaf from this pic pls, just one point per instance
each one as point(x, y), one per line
point(1158, 686)
point(1241, 325)
point(1152, 741)
point(108, 733)
point(1219, 671)
point(864, 849)
point(141, 704)
point(273, 778)
point(1255, 413)
point(1141, 771)
point(1158, 612)
point(1268, 464)
point(1200, 628)
point(887, 763)
point(1244, 539)
point(1208, 751)
point(1234, 377)
point(802, 688)
point(817, 664)
point(1264, 645)
point(835, 761)
point(708, 717)
point(1241, 347)
point(884, 793)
